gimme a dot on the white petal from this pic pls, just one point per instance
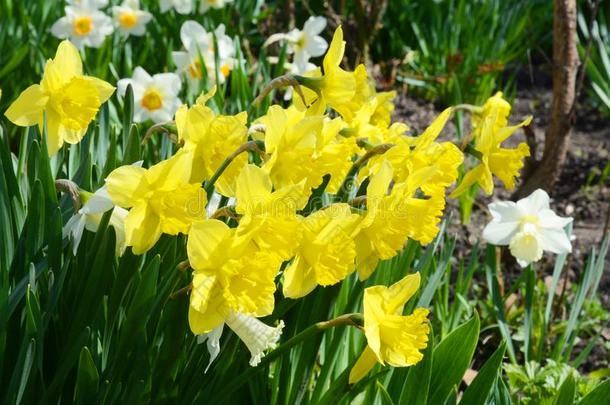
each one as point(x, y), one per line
point(316, 46)
point(62, 28)
point(193, 36)
point(122, 86)
point(168, 83)
point(500, 233)
point(504, 211)
point(534, 203)
point(213, 343)
point(314, 25)
point(548, 219)
point(555, 240)
point(526, 247)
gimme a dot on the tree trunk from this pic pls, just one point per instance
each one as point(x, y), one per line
point(565, 66)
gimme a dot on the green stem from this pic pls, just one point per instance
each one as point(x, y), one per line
point(254, 146)
point(473, 152)
point(354, 319)
point(349, 181)
point(530, 282)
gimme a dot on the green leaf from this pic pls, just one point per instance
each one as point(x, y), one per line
point(452, 357)
point(483, 384)
point(87, 377)
point(565, 396)
point(598, 396)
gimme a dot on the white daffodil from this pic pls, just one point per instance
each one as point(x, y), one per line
point(90, 215)
point(155, 97)
point(130, 19)
point(257, 336)
point(205, 5)
point(181, 6)
point(307, 43)
point(527, 227)
point(84, 25)
point(199, 47)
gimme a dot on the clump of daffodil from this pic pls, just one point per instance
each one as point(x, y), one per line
point(326, 253)
point(210, 139)
point(490, 131)
point(69, 99)
point(392, 337)
point(162, 200)
point(395, 213)
point(230, 276)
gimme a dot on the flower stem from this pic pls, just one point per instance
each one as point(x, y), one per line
point(254, 146)
point(349, 181)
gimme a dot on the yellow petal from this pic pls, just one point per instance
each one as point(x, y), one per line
point(253, 187)
point(299, 279)
point(207, 307)
point(364, 364)
point(125, 185)
point(142, 228)
point(335, 52)
point(28, 109)
point(204, 239)
point(432, 132)
point(475, 175)
point(104, 89)
point(400, 292)
point(55, 139)
point(60, 70)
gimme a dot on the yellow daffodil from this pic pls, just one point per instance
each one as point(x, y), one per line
point(392, 337)
point(210, 139)
point(326, 253)
point(489, 134)
point(161, 200)
point(229, 276)
point(394, 215)
point(305, 148)
point(269, 219)
point(335, 87)
point(69, 99)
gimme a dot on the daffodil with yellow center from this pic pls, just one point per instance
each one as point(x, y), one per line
point(335, 87)
point(229, 276)
point(394, 213)
point(210, 139)
point(489, 134)
point(69, 99)
point(326, 253)
point(152, 99)
point(128, 19)
point(269, 219)
point(392, 337)
point(412, 154)
point(162, 200)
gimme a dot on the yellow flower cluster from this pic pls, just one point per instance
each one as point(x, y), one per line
point(310, 194)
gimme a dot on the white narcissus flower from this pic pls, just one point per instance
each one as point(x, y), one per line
point(84, 25)
point(199, 45)
point(90, 215)
point(181, 6)
point(528, 227)
point(307, 43)
point(257, 336)
point(154, 97)
point(205, 5)
point(130, 19)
